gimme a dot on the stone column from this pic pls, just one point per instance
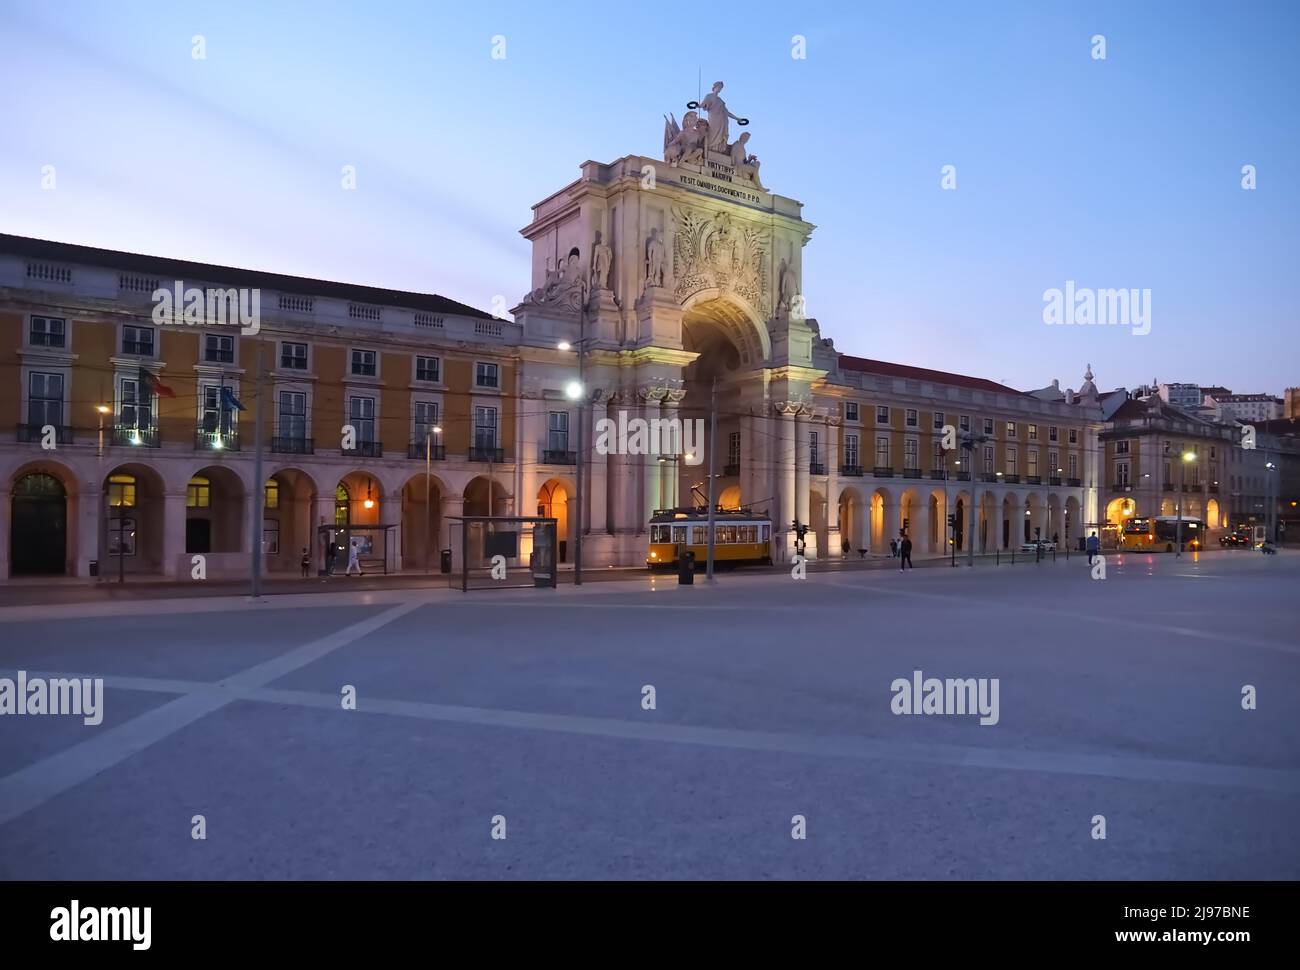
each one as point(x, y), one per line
point(920, 527)
point(831, 458)
point(597, 490)
point(390, 513)
point(802, 482)
point(6, 511)
point(88, 502)
point(452, 506)
point(785, 474)
point(997, 523)
point(651, 473)
point(173, 537)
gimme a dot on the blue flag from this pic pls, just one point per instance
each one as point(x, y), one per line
point(229, 401)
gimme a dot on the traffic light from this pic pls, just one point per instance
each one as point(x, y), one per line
point(952, 521)
point(905, 524)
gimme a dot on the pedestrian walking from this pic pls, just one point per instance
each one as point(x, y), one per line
point(306, 563)
point(1094, 547)
point(893, 548)
point(331, 555)
point(1056, 539)
point(354, 557)
point(905, 554)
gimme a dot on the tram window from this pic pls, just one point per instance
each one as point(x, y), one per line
point(747, 533)
point(660, 533)
point(765, 532)
point(679, 535)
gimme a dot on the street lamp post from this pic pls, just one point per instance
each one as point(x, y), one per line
point(969, 442)
point(579, 393)
point(1188, 458)
point(102, 543)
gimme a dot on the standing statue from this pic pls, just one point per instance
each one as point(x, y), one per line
point(654, 259)
point(787, 286)
point(601, 257)
point(718, 119)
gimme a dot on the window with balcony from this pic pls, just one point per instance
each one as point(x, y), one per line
point(910, 454)
point(214, 413)
point(733, 450)
point(882, 451)
point(1122, 474)
point(361, 415)
point(1074, 467)
point(1011, 459)
point(293, 356)
point(293, 416)
point(851, 450)
point(487, 375)
point(135, 409)
point(218, 349)
point(364, 363)
point(138, 341)
point(485, 427)
point(47, 332)
point(557, 432)
point(44, 401)
point(1033, 463)
point(428, 369)
point(988, 459)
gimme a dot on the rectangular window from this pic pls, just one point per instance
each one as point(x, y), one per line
point(1074, 466)
point(364, 363)
point(1121, 447)
point(428, 369)
point(485, 426)
point(198, 494)
point(882, 414)
point(910, 454)
point(293, 356)
point(851, 450)
point(964, 422)
point(218, 349)
point(940, 456)
point(1033, 461)
point(1011, 429)
point(1011, 461)
point(558, 431)
point(1053, 463)
point(733, 449)
point(136, 408)
point(1033, 432)
point(426, 419)
point(137, 341)
point(1121, 473)
point(45, 400)
point(937, 421)
point(293, 415)
point(1051, 433)
point(47, 332)
point(1074, 436)
point(988, 459)
point(361, 415)
point(882, 451)
point(911, 418)
point(271, 494)
point(812, 447)
point(486, 375)
point(988, 427)
point(214, 415)
point(850, 410)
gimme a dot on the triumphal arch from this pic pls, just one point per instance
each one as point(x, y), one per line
point(677, 277)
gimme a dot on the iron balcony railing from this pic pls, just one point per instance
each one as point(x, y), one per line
point(1053, 480)
point(1011, 479)
point(136, 437)
point(292, 445)
point(206, 440)
point(938, 474)
point(963, 476)
point(911, 473)
point(487, 454)
point(882, 471)
point(557, 457)
point(365, 449)
point(1033, 479)
point(36, 432)
point(1074, 482)
point(421, 450)
point(816, 468)
point(852, 470)
point(985, 477)
point(729, 471)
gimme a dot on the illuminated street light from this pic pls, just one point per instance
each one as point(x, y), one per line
point(573, 390)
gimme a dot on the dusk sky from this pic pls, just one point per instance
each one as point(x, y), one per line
point(1116, 173)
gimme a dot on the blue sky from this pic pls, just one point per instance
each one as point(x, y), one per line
point(1117, 173)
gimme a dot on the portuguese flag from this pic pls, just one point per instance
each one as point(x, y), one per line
point(155, 387)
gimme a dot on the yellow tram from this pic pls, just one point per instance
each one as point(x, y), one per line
point(740, 537)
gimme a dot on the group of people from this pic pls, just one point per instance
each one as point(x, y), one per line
point(331, 558)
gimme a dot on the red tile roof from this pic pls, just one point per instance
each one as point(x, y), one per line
point(174, 269)
point(908, 372)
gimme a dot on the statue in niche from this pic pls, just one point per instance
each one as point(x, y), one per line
point(601, 257)
point(722, 246)
point(746, 165)
point(685, 143)
point(719, 117)
point(787, 286)
point(654, 259)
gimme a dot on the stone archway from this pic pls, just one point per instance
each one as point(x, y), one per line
point(421, 521)
point(38, 530)
point(290, 504)
point(556, 499)
point(215, 520)
point(854, 529)
point(135, 522)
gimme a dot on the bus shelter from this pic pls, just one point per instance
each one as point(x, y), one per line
point(371, 542)
point(505, 552)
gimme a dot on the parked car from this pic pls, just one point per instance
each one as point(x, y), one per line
point(1236, 538)
point(1047, 545)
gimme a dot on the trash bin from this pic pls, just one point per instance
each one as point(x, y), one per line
point(686, 569)
point(94, 567)
point(444, 560)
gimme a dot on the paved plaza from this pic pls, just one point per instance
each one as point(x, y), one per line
point(772, 699)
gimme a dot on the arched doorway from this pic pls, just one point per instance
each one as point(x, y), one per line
point(1213, 520)
point(817, 522)
point(38, 541)
point(730, 498)
point(290, 509)
point(553, 503)
point(421, 521)
point(136, 543)
point(882, 511)
point(1119, 511)
point(214, 512)
point(476, 497)
point(852, 533)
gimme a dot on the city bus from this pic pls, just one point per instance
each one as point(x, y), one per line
point(1159, 533)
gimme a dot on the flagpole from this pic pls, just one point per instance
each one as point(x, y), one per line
point(259, 485)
